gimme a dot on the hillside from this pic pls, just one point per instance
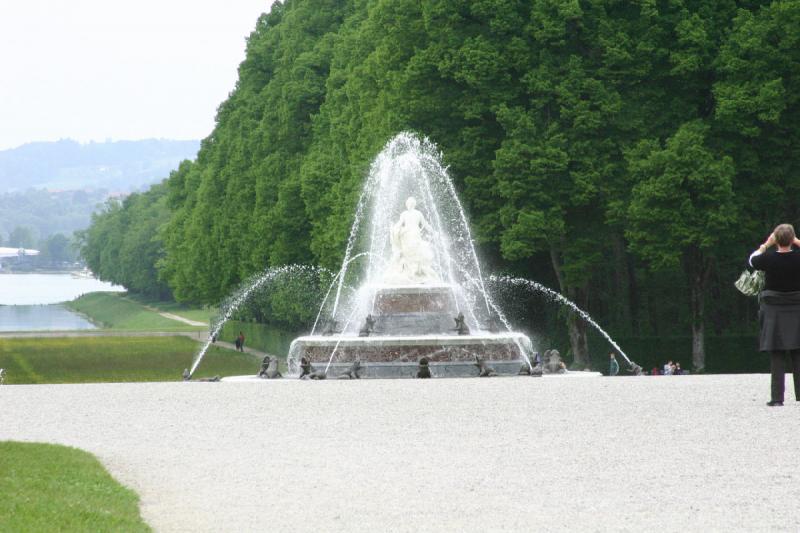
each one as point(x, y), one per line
point(68, 165)
point(46, 213)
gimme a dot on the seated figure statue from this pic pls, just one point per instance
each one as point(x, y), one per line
point(412, 255)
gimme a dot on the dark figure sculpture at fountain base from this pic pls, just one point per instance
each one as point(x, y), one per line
point(307, 370)
point(269, 368)
point(635, 369)
point(353, 371)
point(484, 370)
point(369, 327)
point(553, 363)
point(317, 375)
point(423, 371)
point(461, 325)
point(530, 369)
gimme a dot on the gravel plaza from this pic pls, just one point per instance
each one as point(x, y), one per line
point(683, 453)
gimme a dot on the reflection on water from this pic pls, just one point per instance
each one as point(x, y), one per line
point(40, 318)
point(34, 289)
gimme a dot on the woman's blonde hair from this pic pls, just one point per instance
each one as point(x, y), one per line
point(784, 234)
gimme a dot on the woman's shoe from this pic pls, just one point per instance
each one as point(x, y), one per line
point(775, 404)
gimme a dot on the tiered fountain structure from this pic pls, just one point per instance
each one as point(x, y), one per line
point(410, 286)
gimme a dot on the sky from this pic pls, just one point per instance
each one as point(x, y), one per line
point(94, 70)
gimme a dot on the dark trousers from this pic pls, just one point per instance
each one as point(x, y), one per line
point(778, 366)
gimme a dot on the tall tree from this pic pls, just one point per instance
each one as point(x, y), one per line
point(557, 155)
point(681, 210)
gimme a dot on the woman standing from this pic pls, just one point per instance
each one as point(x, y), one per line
point(779, 310)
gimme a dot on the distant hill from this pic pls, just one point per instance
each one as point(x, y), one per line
point(69, 165)
point(45, 213)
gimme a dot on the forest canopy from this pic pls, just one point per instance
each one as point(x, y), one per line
point(627, 153)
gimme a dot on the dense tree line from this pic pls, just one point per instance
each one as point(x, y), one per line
point(123, 243)
point(629, 153)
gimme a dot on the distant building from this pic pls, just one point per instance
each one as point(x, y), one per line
point(16, 253)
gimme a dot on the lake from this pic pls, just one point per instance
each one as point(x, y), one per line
point(53, 317)
point(38, 289)
point(31, 302)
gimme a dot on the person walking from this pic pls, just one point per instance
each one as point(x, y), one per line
point(240, 338)
point(779, 307)
point(613, 366)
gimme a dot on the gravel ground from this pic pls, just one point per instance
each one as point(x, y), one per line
point(698, 453)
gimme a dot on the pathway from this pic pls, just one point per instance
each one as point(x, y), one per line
point(692, 453)
point(179, 318)
point(170, 316)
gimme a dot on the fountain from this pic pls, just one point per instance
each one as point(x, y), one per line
point(419, 294)
point(409, 299)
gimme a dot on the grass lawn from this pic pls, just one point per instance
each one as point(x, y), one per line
point(115, 311)
point(200, 314)
point(114, 359)
point(44, 487)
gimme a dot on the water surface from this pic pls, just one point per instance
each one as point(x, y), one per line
point(54, 317)
point(36, 289)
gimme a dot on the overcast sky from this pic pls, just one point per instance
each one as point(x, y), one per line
point(118, 69)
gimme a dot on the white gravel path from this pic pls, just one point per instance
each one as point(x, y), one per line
point(172, 316)
point(692, 453)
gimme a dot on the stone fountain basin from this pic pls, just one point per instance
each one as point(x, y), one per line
point(409, 370)
point(399, 356)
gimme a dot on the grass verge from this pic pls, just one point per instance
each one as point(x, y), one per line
point(115, 311)
point(45, 487)
point(114, 359)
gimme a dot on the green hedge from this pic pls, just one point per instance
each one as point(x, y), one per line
point(264, 337)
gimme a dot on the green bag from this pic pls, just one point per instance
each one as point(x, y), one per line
point(750, 283)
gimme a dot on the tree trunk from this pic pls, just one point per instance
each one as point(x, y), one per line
point(698, 270)
point(698, 346)
point(621, 284)
point(576, 327)
point(633, 295)
point(578, 341)
point(719, 314)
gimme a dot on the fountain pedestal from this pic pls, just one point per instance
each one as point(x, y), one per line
point(396, 357)
point(414, 322)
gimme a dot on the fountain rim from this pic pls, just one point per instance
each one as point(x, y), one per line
point(410, 340)
point(421, 287)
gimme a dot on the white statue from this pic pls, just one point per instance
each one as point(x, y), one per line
point(412, 255)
